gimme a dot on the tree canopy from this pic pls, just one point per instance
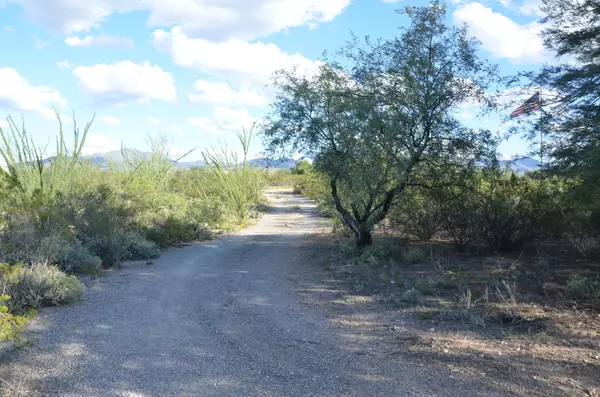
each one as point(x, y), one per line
point(382, 118)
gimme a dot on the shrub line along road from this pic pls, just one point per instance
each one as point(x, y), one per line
point(219, 318)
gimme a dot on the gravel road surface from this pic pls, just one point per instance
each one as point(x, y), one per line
point(218, 318)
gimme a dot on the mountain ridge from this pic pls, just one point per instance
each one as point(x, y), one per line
point(519, 165)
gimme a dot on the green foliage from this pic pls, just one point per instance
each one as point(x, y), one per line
point(25, 168)
point(418, 213)
point(302, 167)
point(135, 246)
point(41, 285)
point(281, 178)
point(10, 323)
point(373, 126)
point(77, 258)
point(71, 214)
point(237, 182)
point(582, 288)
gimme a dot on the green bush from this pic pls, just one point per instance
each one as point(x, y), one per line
point(507, 212)
point(418, 213)
point(77, 258)
point(158, 235)
point(135, 246)
point(582, 288)
point(42, 285)
point(10, 323)
point(179, 231)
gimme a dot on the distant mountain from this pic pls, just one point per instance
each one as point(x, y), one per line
point(115, 158)
point(285, 163)
point(521, 165)
point(186, 165)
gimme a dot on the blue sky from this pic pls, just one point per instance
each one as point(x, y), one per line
point(196, 70)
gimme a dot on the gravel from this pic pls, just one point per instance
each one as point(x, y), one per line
point(219, 318)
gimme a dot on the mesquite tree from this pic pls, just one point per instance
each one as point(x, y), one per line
point(380, 121)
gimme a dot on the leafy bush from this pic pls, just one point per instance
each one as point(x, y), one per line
point(135, 246)
point(158, 235)
point(418, 213)
point(9, 322)
point(42, 285)
point(579, 287)
point(77, 258)
point(508, 216)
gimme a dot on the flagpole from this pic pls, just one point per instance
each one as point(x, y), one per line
point(541, 132)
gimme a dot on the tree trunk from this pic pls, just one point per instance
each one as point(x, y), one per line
point(364, 238)
point(362, 235)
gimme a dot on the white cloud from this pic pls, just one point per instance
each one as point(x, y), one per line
point(18, 94)
point(40, 44)
point(66, 16)
point(3, 124)
point(213, 19)
point(233, 59)
point(111, 120)
point(64, 65)
point(501, 36)
point(99, 143)
point(465, 115)
point(223, 120)
point(153, 120)
point(9, 28)
point(176, 129)
point(212, 93)
point(531, 7)
point(99, 41)
point(391, 1)
point(125, 81)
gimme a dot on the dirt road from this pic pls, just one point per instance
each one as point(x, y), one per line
point(219, 318)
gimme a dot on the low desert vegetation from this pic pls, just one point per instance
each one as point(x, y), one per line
point(64, 216)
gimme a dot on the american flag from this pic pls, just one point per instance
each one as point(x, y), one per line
point(530, 105)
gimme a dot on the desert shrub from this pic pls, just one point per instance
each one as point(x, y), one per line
point(173, 231)
point(497, 207)
point(458, 206)
point(414, 255)
point(508, 216)
point(42, 285)
point(77, 258)
point(579, 287)
point(372, 255)
point(135, 246)
point(9, 322)
point(425, 287)
point(240, 185)
point(281, 178)
point(157, 235)
point(203, 232)
point(179, 230)
point(418, 213)
point(412, 295)
point(210, 211)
